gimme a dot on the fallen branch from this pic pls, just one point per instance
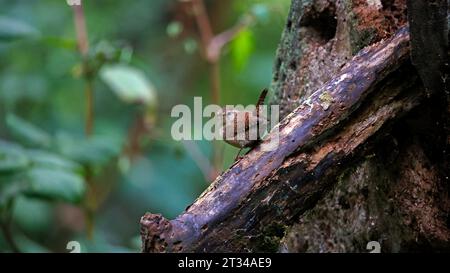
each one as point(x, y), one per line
point(248, 206)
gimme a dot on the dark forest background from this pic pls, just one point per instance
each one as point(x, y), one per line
point(58, 181)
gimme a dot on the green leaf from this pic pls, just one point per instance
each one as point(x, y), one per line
point(13, 29)
point(32, 215)
point(242, 48)
point(13, 158)
point(42, 158)
point(9, 191)
point(55, 185)
point(129, 83)
point(27, 132)
point(95, 151)
point(59, 42)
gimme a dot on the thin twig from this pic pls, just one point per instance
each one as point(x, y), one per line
point(89, 93)
point(203, 24)
point(212, 46)
point(220, 40)
point(80, 27)
point(83, 46)
point(206, 36)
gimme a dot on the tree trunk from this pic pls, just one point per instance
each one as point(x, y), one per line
point(398, 196)
point(361, 148)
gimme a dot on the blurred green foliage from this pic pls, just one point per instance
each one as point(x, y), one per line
point(144, 58)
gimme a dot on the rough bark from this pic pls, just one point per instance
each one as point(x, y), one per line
point(321, 36)
point(356, 160)
point(398, 196)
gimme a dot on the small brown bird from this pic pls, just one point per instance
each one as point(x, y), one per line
point(242, 128)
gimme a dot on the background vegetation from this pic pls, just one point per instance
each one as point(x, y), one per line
point(70, 174)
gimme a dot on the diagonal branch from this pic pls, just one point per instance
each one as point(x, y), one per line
point(253, 200)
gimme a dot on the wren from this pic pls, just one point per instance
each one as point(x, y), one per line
point(242, 128)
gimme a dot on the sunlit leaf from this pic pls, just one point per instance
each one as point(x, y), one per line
point(12, 29)
point(242, 48)
point(129, 83)
point(27, 132)
point(55, 184)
